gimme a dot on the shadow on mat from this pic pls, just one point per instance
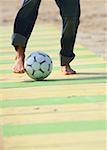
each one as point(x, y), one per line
point(102, 76)
point(92, 73)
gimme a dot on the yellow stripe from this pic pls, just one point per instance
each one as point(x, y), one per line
point(66, 141)
point(49, 114)
point(50, 109)
point(1, 142)
point(57, 90)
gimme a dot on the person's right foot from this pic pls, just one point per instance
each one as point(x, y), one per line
point(18, 67)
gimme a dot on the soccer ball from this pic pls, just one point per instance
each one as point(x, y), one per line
point(38, 65)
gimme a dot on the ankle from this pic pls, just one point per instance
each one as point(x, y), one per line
point(66, 66)
point(20, 52)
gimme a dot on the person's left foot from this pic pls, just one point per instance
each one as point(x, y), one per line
point(67, 70)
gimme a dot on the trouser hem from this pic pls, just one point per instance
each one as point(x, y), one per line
point(19, 40)
point(65, 60)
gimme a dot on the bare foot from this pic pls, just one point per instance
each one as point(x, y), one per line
point(18, 67)
point(66, 70)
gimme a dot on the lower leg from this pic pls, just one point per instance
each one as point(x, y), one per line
point(23, 26)
point(70, 13)
point(70, 27)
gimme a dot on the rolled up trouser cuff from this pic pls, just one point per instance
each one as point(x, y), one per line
point(66, 60)
point(19, 40)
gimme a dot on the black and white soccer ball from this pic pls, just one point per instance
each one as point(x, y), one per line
point(38, 65)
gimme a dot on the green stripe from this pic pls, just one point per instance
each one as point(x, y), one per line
point(52, 82)
point(6, 61)
point(93, 55)
point(89, 66)
point(48, 128)
point(52, 101)
point(5, 71)
point(7, 53)
point(81, 48)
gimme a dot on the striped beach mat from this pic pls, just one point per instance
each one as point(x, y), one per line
point(60, 112)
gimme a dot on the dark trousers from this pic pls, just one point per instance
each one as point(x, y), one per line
point(27, 15)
